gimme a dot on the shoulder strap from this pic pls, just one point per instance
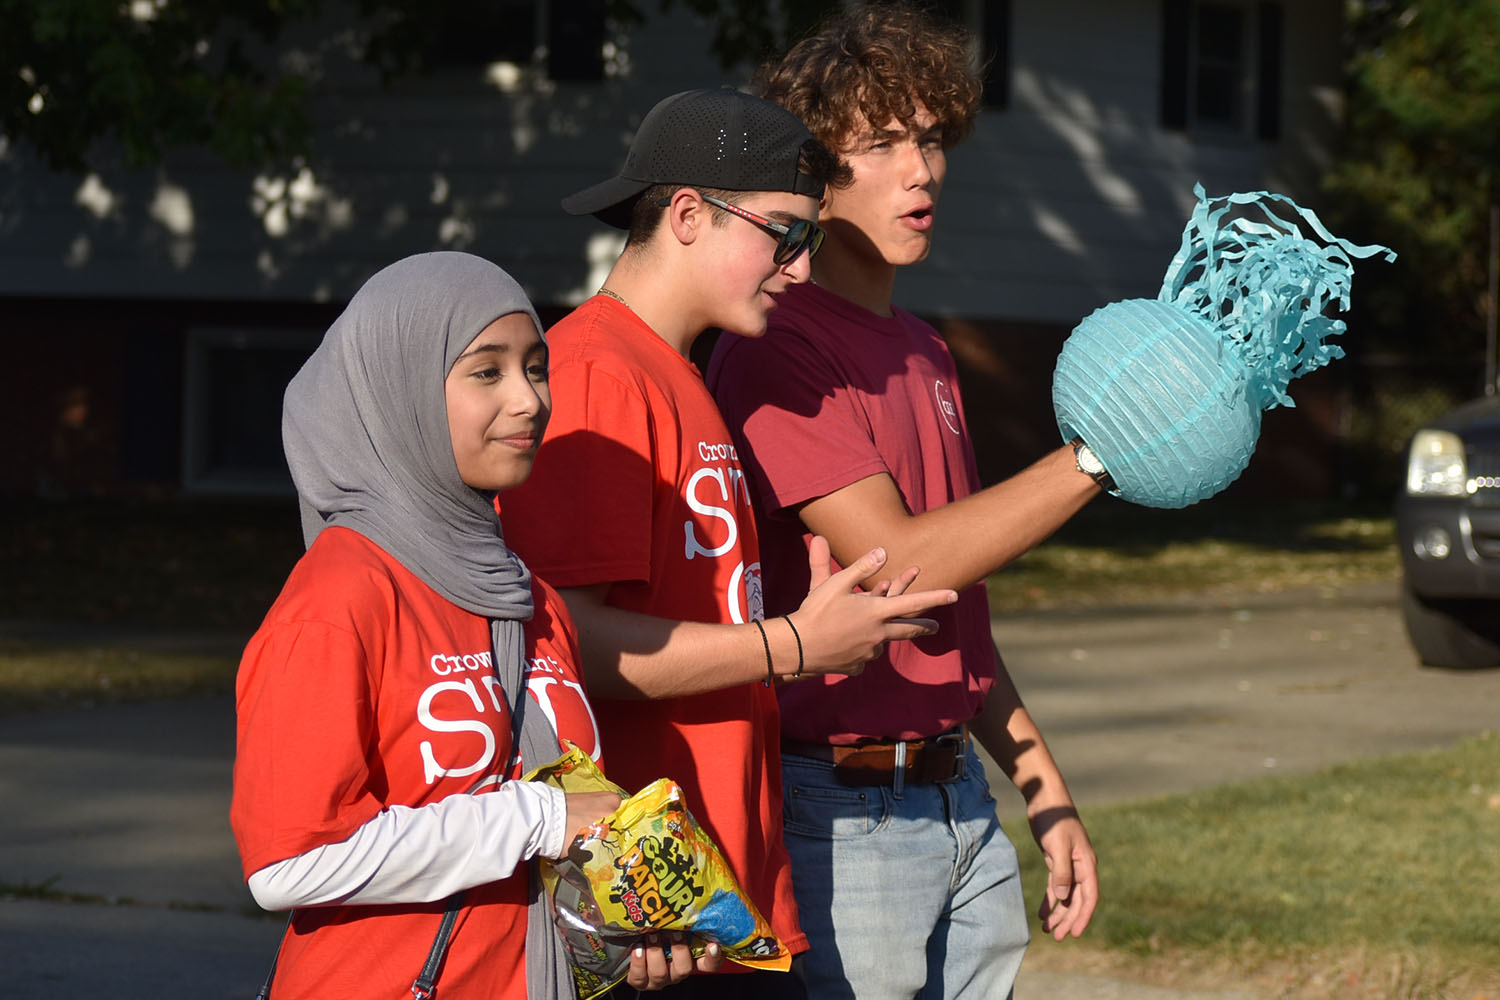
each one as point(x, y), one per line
point(265, 989)
point(425, 985)
point(426, 982)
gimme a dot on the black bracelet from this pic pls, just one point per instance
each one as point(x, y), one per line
point(795, 635)
point(770, 674)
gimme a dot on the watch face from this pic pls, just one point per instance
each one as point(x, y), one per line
point(1088, 461)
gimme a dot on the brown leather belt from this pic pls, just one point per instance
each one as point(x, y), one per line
point(935, 761)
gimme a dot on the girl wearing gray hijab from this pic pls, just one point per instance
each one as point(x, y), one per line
point(411, 658)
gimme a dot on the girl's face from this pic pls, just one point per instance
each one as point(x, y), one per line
point(498, 403)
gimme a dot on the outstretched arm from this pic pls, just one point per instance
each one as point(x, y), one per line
point(960, 543)
point(1008, 734)
point(631, 655)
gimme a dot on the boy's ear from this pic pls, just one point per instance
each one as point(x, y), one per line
point(685, 214)
point(823, 207)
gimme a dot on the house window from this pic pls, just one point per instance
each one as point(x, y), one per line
point(1216, 67)
point(231, 421)
point(1221, 67)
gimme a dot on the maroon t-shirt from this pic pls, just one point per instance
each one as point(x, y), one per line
point(831, 395)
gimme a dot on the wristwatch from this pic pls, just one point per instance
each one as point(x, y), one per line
point(1089, 465)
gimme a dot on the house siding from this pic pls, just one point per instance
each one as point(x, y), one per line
point(1068, 198)
point(1074, 196)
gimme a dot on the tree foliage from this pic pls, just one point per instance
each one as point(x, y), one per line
point(744, 31)
point(1421, 162)
point(149, 76)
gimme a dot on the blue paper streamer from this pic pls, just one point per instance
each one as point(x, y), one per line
point(1265, 286)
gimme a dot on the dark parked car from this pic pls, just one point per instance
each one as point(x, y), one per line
point(1448, 527)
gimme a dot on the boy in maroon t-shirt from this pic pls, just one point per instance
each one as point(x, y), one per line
point(851, 426)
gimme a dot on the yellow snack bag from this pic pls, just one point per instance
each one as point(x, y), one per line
point(646, 867)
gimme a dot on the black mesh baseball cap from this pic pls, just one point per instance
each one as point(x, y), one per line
point(715, 138)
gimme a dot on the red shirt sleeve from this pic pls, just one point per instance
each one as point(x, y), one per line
point(584, 516)
point(300, 768)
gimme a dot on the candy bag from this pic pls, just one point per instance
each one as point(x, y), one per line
point(646, 867)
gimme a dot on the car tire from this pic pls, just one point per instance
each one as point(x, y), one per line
point(1462, 634)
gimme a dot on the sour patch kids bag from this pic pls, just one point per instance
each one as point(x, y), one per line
point(647, 867)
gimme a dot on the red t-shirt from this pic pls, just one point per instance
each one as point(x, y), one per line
point(362, 689)
point(638, 485)
point(831, 395)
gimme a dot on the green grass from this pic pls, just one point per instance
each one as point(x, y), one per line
point(1364, 868)
point(101, 577)
point(37, 675)
point(208, 565)
point(215, 567)
point(1121, 554)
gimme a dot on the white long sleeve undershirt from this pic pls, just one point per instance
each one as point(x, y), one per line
point(406, 855)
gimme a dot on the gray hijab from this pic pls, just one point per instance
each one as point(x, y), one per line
point(365, 426)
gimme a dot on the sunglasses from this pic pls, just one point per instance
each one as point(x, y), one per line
point(803, 234)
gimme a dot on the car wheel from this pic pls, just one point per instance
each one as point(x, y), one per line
point(1454, 633)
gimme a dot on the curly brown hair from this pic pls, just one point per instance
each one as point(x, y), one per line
point(877, 60)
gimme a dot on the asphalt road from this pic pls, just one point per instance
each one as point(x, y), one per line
point(127, 806)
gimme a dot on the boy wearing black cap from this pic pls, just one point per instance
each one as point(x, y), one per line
point(637, 509)
point(851, 425)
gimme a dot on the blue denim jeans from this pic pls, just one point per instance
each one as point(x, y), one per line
point(903, 892)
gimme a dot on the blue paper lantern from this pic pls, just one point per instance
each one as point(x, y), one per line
point(1168, 392)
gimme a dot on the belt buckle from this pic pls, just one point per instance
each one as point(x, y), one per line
point(959, 739)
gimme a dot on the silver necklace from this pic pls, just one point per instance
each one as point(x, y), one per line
point(614, 295)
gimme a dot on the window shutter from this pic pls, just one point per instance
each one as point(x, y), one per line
point(995, 36)
point(1268, 74)
point(1176, 21)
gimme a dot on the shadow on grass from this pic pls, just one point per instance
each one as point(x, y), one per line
point(1307, 526)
